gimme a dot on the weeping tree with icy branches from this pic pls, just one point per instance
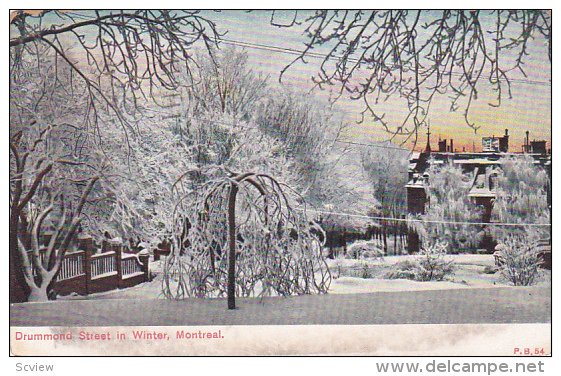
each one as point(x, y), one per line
point(244, 234)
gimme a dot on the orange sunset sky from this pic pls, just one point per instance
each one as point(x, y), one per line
point(528, 110)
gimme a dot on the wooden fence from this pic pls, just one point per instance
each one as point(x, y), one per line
point(90, 270)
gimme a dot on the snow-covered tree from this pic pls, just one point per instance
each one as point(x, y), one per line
point(448, 201)
point(386, 168)
point(138, 188)
point(248, 234)
point(342, 187)
point(223, 83)
point(87, 81)
point(521, 197)
point(330, 175)
point(54, 171)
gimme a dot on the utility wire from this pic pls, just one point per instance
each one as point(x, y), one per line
point(296, 52)
point(292, 51)
point(429, 221)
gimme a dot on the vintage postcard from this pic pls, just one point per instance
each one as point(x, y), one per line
point(289, 182)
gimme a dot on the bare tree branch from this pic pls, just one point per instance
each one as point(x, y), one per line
point(416, 55)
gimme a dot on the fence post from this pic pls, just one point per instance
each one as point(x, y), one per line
point(144, 257)
point(85, 244)
point(118, 248)
point(88, 268)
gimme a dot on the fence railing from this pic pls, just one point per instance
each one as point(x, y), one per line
point(91, 269)
point(131, 265)
point(72, 266)
point(103, 264)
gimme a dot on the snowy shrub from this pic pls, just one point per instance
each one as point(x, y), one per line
point(519, 259)
point(359, 270)
point(429, 265)
point(490, 269)
point(336, 268)
point(364, 249)
point(402, 270)
point(365, 271)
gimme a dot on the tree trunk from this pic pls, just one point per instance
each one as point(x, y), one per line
point(385, 238)
point(395, 240)
point(232, 244)
point(18, 286)
point(38, 294)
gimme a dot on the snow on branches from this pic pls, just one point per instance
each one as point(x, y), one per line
point(449, 202)
point(244, 234)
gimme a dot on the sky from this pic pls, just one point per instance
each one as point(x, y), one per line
point(528, 110)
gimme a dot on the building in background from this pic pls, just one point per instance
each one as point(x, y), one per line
point(495, 144)
point(483, 166)
point(535, 146)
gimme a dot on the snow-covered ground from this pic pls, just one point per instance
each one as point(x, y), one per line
point(469, 273)
point(460, 306)
point(470, 296)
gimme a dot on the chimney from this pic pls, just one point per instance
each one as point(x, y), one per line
point(527, 148)
point(451, 145)
point(503, 142)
